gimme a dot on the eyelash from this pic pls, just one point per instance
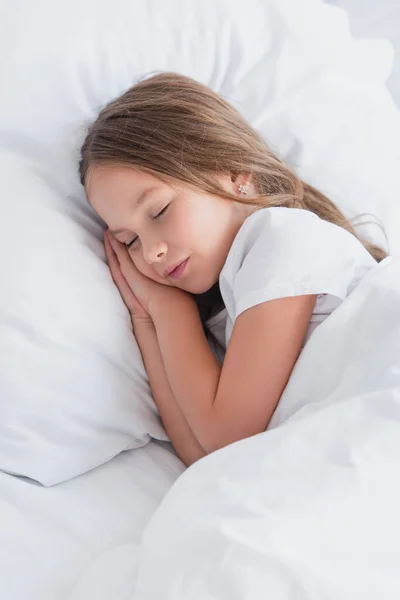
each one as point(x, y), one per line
point(157, 216)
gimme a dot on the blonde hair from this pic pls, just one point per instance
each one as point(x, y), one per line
point(178, 129)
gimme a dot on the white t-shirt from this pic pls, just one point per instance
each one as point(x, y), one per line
point(282, 252)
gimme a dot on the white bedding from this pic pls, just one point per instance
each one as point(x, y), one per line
point(50, 537)
point(372, 19)
point(320, 99)
point(308, 510)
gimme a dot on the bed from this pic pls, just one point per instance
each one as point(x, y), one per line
point(51, 537)
point(93, 500)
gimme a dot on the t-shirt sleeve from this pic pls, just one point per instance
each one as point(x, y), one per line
point(283, 252)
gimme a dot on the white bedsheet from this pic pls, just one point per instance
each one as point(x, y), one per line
point(309, 510)
point(51, 537)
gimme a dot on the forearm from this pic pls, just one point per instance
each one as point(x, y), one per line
point(192, 369)
point(182, 437)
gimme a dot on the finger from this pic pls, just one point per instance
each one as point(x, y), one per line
point(127, 295)
point(125, 261)
point(112, 258)
point(115, 244)
point(113, 262)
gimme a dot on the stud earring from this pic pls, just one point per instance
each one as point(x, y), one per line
point(243, 189)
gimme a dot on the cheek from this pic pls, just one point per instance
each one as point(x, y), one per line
point(206, 229)
point(139, 262)
point(144, 268)
point(193, 228)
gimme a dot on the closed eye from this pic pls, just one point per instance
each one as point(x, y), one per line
point(158, 215)
point(129, 244)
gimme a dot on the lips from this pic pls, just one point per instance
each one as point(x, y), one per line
point(176, 270)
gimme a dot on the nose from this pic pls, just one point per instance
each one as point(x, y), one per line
point(154, 251)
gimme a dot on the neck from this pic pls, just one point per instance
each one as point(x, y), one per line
point(209, 303)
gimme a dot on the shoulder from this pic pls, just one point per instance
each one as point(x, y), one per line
point(273, 223)
point(281, 252)
point(293, 229)
point(280, 233)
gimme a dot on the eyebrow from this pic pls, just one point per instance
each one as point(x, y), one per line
point(144, 196)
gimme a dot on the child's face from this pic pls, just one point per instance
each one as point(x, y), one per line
point(164, 225)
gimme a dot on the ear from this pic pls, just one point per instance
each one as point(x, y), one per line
point(242, 183)
point(233, 182)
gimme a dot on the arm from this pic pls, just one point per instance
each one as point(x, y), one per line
point(220, 405)
point(176, 426)
point(178, 430)
point(223, 405)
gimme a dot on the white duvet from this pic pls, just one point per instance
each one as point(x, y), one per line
point(311, 508)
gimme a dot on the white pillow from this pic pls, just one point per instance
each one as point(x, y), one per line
point(73, 391)
point(73, 388)
point(369, 18)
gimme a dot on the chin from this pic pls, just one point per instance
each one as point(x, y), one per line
point(199, 288)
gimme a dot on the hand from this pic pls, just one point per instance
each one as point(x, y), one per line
point(138, 292)
point(136, 309)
